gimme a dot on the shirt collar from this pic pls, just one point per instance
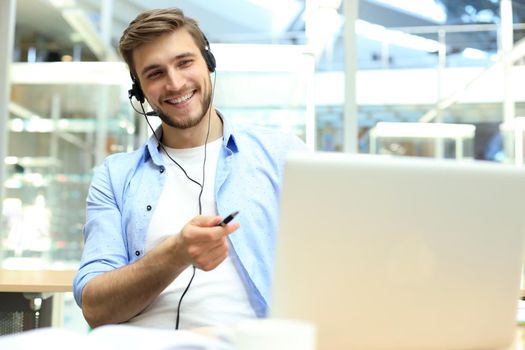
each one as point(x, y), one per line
point(229, 131)
point(152, 148)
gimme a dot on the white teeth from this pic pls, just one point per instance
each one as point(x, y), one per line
point(181, 99)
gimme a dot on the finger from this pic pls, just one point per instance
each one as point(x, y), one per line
point(213, 258)
point(219, 232)
point(206, 221)
point(207, 248)
point(202, 254)
point(196, 234)
point(230, 228)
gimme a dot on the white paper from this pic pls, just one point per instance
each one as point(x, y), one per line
point(110, 337)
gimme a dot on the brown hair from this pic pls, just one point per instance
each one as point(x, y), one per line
point(149, 25)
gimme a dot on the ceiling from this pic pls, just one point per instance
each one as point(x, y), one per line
point(221, 20)
point(239, 21)
point(41, 24)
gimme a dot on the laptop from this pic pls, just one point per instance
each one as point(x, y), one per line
point(404, 253)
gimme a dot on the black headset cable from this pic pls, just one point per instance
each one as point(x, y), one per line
point(201, 185)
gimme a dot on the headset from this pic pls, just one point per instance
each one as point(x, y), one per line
point(136, 90)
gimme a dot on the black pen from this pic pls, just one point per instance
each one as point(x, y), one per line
point(228, 218)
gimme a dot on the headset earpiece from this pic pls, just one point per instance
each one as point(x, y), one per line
point(210, 60)
point(208, 56)
point(136, 90)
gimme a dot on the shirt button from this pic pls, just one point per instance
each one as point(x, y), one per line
point(137, 253)
point(162, 168)
point(148, 208)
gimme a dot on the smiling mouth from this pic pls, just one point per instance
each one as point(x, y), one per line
point(181, 99)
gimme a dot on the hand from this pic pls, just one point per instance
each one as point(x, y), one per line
point(203, 244)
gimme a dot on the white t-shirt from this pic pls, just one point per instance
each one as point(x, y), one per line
point(217, 297)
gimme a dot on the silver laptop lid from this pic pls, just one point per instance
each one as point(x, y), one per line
point(400, 253)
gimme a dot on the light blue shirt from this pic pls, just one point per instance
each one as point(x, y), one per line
point(127, 186)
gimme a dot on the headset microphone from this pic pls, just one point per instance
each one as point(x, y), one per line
point(136, 91)
point(143, 112)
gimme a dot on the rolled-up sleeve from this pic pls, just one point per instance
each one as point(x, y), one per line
point(104, 242)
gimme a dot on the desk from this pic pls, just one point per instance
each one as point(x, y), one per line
point(32, 298)
point(36, 281)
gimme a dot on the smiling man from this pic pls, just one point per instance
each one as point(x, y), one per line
point(156, 253)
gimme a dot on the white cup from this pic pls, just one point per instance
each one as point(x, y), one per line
point(273, 333)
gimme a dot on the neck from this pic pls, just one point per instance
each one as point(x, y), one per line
point(194, 136)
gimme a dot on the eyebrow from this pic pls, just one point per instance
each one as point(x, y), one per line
point(154, 66)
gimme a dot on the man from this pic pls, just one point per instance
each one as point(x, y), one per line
point(155, 251)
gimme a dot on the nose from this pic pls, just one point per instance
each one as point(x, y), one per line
point(174, 80)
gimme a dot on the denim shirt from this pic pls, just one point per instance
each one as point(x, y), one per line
point(126, 188)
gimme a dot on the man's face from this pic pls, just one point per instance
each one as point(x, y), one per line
point(174, 78)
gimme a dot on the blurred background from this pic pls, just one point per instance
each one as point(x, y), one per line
point(430, 78)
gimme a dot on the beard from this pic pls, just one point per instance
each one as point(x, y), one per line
point(189, 122)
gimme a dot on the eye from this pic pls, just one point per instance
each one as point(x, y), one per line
point(185, 63)
point(154, 74)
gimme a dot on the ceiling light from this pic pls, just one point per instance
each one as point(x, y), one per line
point(423, 130)
point(63, 3)
point(474, 54)
point(11, 160)
point(16, 125)
point(395, 37)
